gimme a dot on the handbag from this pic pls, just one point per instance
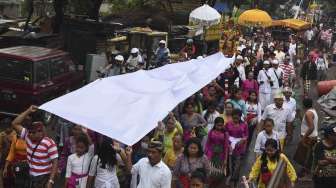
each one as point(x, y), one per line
point(21, 169)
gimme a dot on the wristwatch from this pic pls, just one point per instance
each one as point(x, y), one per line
point(51, 181)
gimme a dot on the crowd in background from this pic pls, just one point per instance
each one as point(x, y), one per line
point(204, 140)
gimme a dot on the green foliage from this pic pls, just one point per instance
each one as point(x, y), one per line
point(80, 7)
point(120, 5)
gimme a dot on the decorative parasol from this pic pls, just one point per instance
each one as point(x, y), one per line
point(204, 16)
point(255, 17)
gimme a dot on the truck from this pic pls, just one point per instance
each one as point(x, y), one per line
point(31, 75)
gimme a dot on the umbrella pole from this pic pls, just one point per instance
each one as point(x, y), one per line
point(205, 45)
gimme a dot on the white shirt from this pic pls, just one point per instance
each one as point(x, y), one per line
point(104, 178)
point(280, 117)
point(271, 44)
point(291, 105)
point(157, 176)
point(304, 127)
point(262, 77)
point(261, 140)
point(278, 73)
point(241, 70)
point(241, 47)
point(80, 165)
point(280, 55)
point(211, 119)
point(292, 49)
point(309, 34)
point(254, 109)
point(133, 62)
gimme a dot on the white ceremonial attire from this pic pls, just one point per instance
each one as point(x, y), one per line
point(265, 90)
point(157, 176)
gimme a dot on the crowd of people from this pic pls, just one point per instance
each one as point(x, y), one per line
point(203, 142)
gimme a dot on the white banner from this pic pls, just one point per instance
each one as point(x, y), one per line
point(128, 106)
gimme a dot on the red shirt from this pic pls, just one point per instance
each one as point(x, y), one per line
point(46, 151)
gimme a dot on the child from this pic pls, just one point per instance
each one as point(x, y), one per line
point(198, 179)
point(267, 133)
point(265, 165)
point(217, 150)
point(79, 162)
point(238, 134)
point(103, 168)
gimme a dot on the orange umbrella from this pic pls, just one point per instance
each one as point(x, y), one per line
point(255, 17)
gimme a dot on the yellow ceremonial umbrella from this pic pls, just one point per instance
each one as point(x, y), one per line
point(296, 24)
point(255, 17)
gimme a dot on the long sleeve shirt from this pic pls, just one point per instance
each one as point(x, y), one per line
point(264, 78)
point(256, 170)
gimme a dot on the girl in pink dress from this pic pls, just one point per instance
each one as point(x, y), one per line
point(238, 134)
point(249, 85)
point(217, 150)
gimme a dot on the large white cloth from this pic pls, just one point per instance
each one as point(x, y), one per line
point(127, 107)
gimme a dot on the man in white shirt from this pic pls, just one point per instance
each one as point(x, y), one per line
point(309, 134)
point(289, 101)
point(152, 172)
point(292, 50)
point(265, 80)
point(322, 67)
point(279, 54)
point(241, 45)
point(134, 61)
point(241, 67)
point(282, 118)
point(309, 34)
point(278, 80)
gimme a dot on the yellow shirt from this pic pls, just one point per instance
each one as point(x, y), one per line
point(170, 158)
point(168, 137)
point(255, 172)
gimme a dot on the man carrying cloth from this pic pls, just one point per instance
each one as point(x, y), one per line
point(41, 150)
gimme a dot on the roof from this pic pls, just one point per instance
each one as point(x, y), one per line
point(30, 53)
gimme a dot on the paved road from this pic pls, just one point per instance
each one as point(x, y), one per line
point(291, 148)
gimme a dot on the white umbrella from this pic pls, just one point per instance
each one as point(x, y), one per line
point(204, 16)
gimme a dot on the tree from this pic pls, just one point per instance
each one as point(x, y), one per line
point(30, 7)
point(59, 15)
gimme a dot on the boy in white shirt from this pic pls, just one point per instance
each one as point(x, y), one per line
point(267, 133)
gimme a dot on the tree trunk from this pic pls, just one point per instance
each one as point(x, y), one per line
point(30, 5)
point(58, 20)
point(94, 11)
point(170, 6)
